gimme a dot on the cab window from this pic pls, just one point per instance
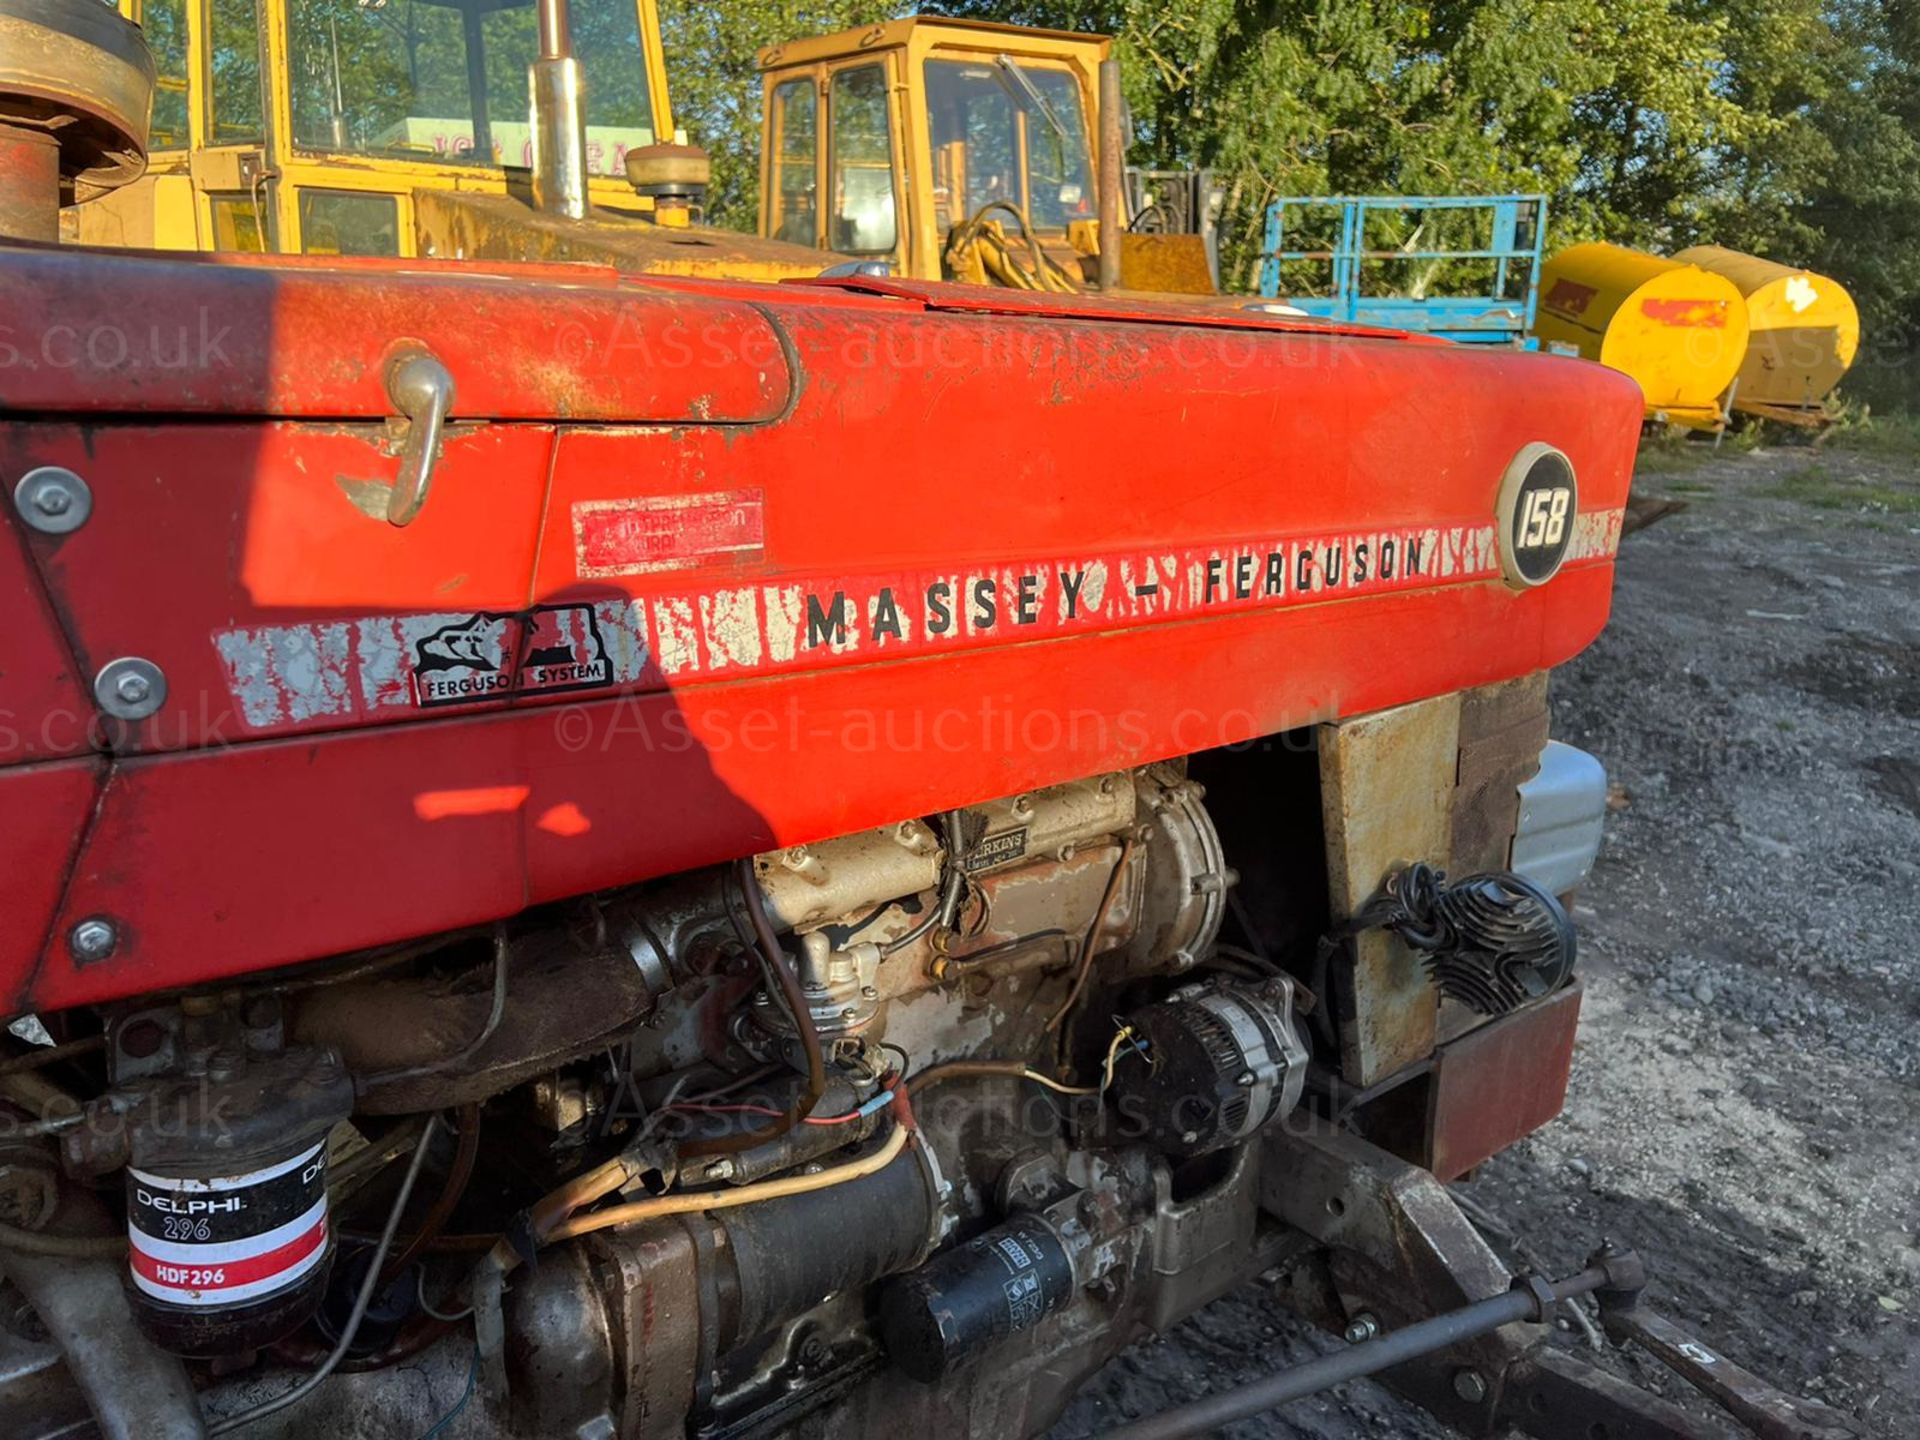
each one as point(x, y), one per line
point(234, 113)
point(341, 222)
point(863, 221)
point(164, 23)
point(1002, 131)
point(1059, 158)
point(447, 82)
point(794, 140)
point(239, 223)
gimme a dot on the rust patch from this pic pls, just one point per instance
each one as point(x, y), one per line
point(1498, 1084)
point(1386, 799)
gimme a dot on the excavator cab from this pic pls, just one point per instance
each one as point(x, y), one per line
point(308, 126)
point(402, 128)
point(951, 149)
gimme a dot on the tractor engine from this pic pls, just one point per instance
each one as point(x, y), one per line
point(258, 1131)
point(1062, 999)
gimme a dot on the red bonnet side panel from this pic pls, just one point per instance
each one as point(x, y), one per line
point(965, 554)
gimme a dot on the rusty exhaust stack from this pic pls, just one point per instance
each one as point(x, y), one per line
point(29, 184)
point(558, 121)
point(1113, 174)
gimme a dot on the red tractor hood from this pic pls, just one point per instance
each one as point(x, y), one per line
point(705, 569)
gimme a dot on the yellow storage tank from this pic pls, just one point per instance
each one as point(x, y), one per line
point(1677, 329)
point(1805, 331)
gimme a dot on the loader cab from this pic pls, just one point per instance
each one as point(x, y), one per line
point(877, 142)
point(306, 126)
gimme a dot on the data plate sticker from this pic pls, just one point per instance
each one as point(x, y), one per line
point(648, 534)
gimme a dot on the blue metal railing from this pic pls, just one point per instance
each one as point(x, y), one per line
point(1503, 315)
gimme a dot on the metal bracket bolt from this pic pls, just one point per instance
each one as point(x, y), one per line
point(1362, 1328)
point(53, 500)
point(93, 940)
point(130, 688)
point(1470, 1386)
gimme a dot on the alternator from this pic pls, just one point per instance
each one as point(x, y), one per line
point(1221, 1061)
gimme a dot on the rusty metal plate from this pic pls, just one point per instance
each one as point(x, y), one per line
point(1167, 264)
point(1500, 1082)
point(1386, 798)
point(1503, 729)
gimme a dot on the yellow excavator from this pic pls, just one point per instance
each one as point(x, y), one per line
point(543, 130)
point(332, 127)
point(965, 150)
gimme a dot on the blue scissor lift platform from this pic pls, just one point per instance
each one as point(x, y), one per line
point(1505, 248)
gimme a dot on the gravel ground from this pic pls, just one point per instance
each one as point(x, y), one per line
point(1743, 1106)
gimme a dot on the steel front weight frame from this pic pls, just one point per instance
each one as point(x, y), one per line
point(1768, 1411)
point(1398, 1251)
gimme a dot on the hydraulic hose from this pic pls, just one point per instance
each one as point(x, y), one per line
point(978, 249)
point(66, 1247)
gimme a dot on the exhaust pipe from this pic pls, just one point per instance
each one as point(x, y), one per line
point(558, 97)
point(1113, 175)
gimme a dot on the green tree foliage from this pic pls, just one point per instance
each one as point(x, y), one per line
point(1619, 109)
point(1859, 211)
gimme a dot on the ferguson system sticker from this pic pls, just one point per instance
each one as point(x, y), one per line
point(473, 658)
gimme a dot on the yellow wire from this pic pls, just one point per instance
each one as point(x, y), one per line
point(1120, 1037)
point(1053, 1084)
point(693, 1202)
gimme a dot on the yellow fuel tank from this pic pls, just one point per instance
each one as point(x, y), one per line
point(1679, 330)
point(1805, 329)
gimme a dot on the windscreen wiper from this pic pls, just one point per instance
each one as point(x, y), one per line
point(1029, 95)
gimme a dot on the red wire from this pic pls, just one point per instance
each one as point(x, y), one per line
point(889, 1081)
